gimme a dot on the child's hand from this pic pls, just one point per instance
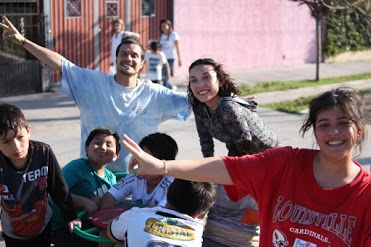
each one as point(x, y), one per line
point(142, 163)
point(10, 33)
point(75, 222)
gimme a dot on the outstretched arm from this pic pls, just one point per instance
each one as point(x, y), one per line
point(45, 55)
point(128, 34)
point(203, 170)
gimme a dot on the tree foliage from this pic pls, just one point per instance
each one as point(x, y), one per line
point(346, 30)
point(322, 8)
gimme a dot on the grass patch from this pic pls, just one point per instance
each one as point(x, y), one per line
point(286, 85)
point(299, 105)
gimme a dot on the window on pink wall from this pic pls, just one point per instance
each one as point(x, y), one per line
point(73, 8)
point(148, 8)
point(112, 9)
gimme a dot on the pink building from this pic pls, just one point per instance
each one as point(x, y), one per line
point(245, 33)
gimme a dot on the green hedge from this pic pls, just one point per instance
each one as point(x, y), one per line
point(346, 30)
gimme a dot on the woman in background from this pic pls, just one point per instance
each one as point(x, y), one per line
point(169, 41)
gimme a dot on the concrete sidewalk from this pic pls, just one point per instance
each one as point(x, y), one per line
point(292, 72)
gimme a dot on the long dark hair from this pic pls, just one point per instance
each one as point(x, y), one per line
point(168, 22)
point(227, 86)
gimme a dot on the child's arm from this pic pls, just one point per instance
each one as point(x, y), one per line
point(128, 34)
point(84, 203)
point(108, 235)
point(118, 192)
point(107, 201)
point(59, 192)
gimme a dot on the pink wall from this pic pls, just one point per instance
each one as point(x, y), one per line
point(244, 33)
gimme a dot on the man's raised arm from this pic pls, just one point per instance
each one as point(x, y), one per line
point(45, 55)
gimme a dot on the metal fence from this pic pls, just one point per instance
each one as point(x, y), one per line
point(20, 72)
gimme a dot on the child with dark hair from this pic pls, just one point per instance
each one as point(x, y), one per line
point(242, 147)
point(233, 223)
point(179, 223)
point(156, 61)
point(145, 190)
point(29, 172)
point(88, 180)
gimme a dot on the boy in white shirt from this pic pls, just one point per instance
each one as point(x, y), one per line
point(179, 223)
point(156, 60)
point(147, 191)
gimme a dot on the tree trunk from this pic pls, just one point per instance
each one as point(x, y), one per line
point(318, 46)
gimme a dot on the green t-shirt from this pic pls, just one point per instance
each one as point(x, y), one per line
point(82, 180)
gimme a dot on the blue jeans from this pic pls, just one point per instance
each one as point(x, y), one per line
point(166, 82)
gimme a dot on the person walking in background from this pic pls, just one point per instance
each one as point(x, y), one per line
point(88, 180)
point(219, 111)
point(123, 101)
point(179, 223)
point(156, 61)
point(147, 191)
point(118, 33)
point(231, 223)
point(306, 197)
point(169, 41)
point(29, 173)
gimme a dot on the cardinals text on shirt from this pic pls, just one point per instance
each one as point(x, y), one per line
point(340, 225)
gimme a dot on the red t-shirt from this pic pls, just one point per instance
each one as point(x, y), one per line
point(293, 209)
